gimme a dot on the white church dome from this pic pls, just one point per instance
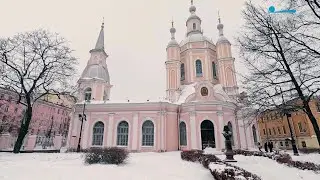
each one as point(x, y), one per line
point(195, 38)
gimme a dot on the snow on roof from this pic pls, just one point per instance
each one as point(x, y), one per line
point(123, 101)
point(218, 89)
point(187, 90)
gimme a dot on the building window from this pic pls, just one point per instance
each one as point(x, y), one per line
point(300, 127)
point(304, 144)
point(284, 130)
point(97, 136)
point(198, 68)
point(279, 131)
point(214, 70)
point(204, 91)
point(194, 26)
point(182, 72)
point(183, 134)
point(274, 131)
point(281, 143)
point(122, 133)
point(269, 131)
point(264, 131)
point(147, 133)
point(87, 94)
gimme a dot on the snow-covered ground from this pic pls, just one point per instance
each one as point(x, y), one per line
point(268, 169)
point(66, 166)
point(312, 157)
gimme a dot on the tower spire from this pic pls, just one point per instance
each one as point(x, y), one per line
point(172, 30)
point(100, 41)
point(220, 25)
point(191, 2)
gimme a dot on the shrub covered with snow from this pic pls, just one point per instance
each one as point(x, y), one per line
point(220, 170)
point(111, 155)
point(192, 155)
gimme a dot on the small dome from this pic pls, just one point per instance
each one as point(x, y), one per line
point(96, 71)
point(172, 43)
point(223, 40)
point(192, 9)
point(193, 16)
point(172, 30)
point(195, 38)
point(220, 26)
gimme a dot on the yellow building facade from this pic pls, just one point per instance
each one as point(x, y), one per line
point(274, 127)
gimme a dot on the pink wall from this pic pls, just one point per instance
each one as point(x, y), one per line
point(44, 114)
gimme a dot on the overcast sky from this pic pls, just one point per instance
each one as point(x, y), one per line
point(136, 33)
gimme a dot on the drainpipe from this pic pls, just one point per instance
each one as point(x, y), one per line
point(178, 120)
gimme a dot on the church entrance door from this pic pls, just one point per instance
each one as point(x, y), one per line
point(207, 134)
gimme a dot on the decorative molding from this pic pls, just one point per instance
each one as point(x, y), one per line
point(220, 113)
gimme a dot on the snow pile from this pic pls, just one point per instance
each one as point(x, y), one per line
point(222, 170)
point(212, 151)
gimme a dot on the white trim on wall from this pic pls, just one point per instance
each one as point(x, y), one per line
point(109, 132)
point(135, 131)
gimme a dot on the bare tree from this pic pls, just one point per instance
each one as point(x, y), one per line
point(282, 54)
point(35, 64)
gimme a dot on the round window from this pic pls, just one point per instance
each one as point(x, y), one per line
point(204, 91)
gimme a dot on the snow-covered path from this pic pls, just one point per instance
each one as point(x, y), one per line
point(66, 166)
point(269, 169)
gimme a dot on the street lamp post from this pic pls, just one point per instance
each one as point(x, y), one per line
point(293, 141)
point(82, 118)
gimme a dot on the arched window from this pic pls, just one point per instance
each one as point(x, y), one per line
point(183, 134)
point(198, 68)
point(182, 72)
point(97, 135)
point(122, 133)
point(231, 130)
point(214, 70)
point(194, 26)
point(87, 94)
point(147, 133)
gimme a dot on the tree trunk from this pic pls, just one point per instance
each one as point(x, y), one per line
point(313, 121)
point(23, 130)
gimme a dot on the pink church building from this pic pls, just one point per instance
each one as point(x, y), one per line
point(201, 84)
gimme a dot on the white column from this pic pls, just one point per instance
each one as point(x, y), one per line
point(135, 130)
point(193, 130)
point(221, 122)
point(110, 130)
point(161, 131)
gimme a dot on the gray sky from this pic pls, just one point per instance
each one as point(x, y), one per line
point(136, 33)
